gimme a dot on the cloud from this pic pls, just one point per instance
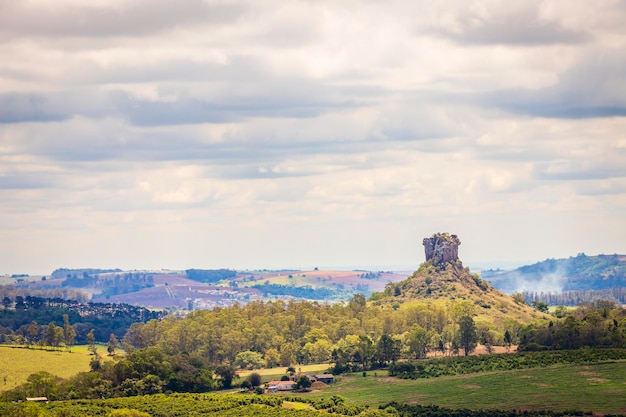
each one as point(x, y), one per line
point(106, 19)
point(238, 129)
point(20, 107)
point(594, 88)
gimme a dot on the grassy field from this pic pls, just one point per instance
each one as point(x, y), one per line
point(16, 364)
point(600, 388)
point(269, 374)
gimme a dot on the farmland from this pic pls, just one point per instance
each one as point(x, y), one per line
point(16, 364)
point(596, 387)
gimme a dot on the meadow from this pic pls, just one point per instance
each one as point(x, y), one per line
point(600, 388)
point(17, 363)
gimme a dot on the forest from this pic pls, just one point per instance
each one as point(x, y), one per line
point(26, 319)
point(203, 351)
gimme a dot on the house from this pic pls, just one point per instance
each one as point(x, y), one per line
point(325, 378)
point(286, 386)
point(272, 385)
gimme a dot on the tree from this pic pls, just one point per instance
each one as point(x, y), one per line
point(303, 382)
point(113, 343)
point(272, 358)
point(69, 334)
point(254, 379)
point(467, 334)
point(91, 342)
point(6, 302)
point(226, 373)
point(32, 332)
point(249, 360)
point(417, 340)
point(54, 335)
point(365, 351)
point(508, 340)
point(387, 349)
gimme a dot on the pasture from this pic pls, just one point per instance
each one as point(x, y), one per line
point(17, 363)
point(600, 388)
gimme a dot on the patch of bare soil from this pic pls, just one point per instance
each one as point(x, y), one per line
point(470, 386)
point(587, 373)
point(599, 380)
point(527, 377)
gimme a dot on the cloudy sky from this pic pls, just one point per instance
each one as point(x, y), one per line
point(270, 134)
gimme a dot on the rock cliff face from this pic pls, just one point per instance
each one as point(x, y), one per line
point(442, 248)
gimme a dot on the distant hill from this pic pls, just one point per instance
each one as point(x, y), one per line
point(579, 273)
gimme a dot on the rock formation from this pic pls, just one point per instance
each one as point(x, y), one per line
point(442, 248)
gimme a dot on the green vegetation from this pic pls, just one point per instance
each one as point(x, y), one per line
point(307, 292)
point(559, 389)
point(454, 365)
point(584, 277)
point(16, 364)
point(597, 387)
point(25, 320)
point(210, 275)
point(443, 309)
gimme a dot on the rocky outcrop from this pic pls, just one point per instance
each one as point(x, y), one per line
point(442, 248)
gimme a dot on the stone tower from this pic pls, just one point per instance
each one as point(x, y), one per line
point(442, 248)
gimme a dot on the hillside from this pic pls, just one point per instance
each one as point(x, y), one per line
point(579, 273)
point(442, 279)
point(454, 284)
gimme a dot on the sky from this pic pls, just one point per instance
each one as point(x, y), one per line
point(154, 134)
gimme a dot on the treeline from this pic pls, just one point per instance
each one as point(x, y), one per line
point(306, 292)
point(111, 284)
point(20, 316)
point(461, 365)
point(599, 324)
point(575, 297)
point(299, 332)
point(66, 272)
point(210, 276)
point(25, 290)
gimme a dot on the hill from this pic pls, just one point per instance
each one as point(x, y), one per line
point(579, 273)
point(443, 279)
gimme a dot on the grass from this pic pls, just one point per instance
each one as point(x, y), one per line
point(600, 388)
point(17, 363)
point(269, 374)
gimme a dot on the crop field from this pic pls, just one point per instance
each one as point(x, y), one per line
point(599, 387)
point(16, 364)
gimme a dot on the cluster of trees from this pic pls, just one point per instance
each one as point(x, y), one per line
point(353, 335)
point(26, 319)
point(111, 284)
point(210, 276)
point(67, 272)
point(576, 297)
point(599, 324)
point(461, 365)
point(28, 289)
point(307, 291)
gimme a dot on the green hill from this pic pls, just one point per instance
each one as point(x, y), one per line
point(579, 273)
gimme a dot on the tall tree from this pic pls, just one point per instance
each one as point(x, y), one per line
point(91, 342)
point(69, 334)
point(467, 334)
